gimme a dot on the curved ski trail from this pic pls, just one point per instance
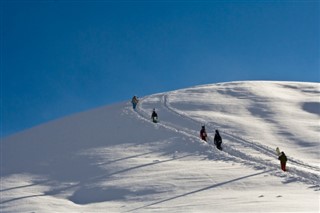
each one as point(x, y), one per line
point(235, 148)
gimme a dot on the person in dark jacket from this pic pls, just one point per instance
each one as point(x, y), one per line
point(154, 116)
point(283, 161)
point(203, 133)
point(218, 140)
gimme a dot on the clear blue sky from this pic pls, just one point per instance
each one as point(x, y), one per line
point(61, 57)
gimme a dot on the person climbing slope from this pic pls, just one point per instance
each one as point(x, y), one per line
point(283, 161)
point(134, 102)
point(154, 116)
point(203, 133)
point(218, 140)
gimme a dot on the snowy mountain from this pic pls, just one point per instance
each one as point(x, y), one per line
point(114, 159)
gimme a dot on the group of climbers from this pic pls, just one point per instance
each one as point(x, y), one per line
point(217, 138)
point(204, 136)
point(154, 115)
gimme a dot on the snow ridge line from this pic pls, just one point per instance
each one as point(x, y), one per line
point(257, 146)
point(231, 153)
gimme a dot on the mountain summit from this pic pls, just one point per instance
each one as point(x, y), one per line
point(115, 159)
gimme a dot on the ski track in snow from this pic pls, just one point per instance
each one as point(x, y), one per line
point(235, 147)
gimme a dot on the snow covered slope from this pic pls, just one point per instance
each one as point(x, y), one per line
point(114, 159)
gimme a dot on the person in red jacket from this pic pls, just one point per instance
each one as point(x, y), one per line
point(203, 133)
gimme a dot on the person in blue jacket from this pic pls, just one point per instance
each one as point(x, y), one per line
point(134, 102)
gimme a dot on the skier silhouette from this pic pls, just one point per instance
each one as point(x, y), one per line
point(203, 133)
point(283, 161)
point(134, 102)
point(218, 140)
point(154, 116)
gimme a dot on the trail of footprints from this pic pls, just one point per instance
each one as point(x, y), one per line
point(298, 171)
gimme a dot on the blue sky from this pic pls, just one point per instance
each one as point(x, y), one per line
point(63, 57)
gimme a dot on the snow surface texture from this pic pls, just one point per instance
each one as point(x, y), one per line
point(114, 159)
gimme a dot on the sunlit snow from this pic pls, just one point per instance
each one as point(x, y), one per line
point(114, 159)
